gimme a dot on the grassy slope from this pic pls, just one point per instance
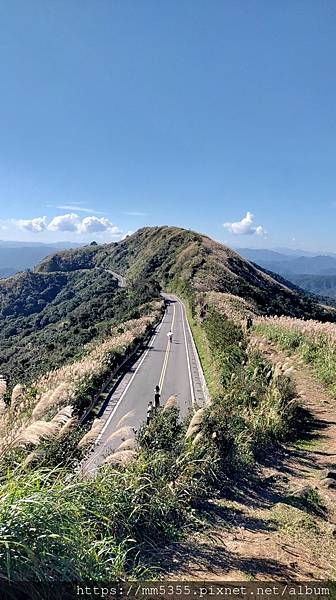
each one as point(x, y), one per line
point(314, 342)
point(126, 513)
point(187, 261)
point(252, 411)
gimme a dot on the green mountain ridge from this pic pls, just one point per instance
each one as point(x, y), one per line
point(184, 260)
point(71, 298)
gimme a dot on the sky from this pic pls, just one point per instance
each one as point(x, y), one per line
point(214, 115)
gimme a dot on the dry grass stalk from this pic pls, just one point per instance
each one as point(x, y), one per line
point(36, 432)
point(91, 435)
point(63, 415)
point(125, 418)
point(171, 402)
point(123, 433)
point(129, 444)
point(68, 427)
point(195, 423)
point(121, 458)
point(33, 457)
point(17, 396)
point(198, 438)
point(3, 387)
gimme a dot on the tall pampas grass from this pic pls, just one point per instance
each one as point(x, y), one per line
point(60, 395)
point(123, 433)
point(171, 403)
point(35, 433)
point(91, 435)
point(17, 396)
point(68, 427)
point(63, 415)
point(195, 423)
point(129, 415)
point(3, 389)
point(129, 444)
point(120, 458)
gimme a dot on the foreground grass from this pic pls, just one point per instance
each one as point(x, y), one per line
point(315, 342)
point(57, 527)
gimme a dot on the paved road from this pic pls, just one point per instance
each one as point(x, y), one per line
point(120, 278)
point(174, 366)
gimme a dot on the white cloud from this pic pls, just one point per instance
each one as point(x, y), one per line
point(3, 225)
point(245, 226)
point(77, 207)
point(36, 225)
point(68, 222)
point(94, 225)
point(134, 213)
point(129, 232)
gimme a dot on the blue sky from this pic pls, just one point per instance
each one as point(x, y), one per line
point(115, 114)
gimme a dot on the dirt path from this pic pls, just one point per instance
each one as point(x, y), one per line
point(284, 527)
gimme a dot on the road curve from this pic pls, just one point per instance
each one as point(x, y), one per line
point(174, 366)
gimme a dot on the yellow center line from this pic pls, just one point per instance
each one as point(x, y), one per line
point(165, 362)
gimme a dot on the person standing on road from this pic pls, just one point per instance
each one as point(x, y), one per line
point(150, 412)
point(157, 397)
point(249, 323)
point(170, 336)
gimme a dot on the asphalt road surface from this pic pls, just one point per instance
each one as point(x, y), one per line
point(174, 366)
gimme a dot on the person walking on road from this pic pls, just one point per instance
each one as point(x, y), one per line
point(157, 397)
point(170, 336)
point(150, 412)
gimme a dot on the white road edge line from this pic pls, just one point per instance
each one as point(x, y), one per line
point(128, 385)
point(187, 354)
point(198, 361)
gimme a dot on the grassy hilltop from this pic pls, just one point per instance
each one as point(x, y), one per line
point(180, 259)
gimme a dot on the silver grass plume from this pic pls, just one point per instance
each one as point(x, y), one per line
point(3, 389)
point(129, 415)
point(121, 458)
point(123, 433)
point(17, 396)
point(91, 435)
point(129, 444)
point(195, 423)
point(171, 402)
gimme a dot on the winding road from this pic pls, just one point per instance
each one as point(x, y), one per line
point(174, 366)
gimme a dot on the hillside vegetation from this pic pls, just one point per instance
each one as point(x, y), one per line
point(315, 343)
point(72, 297)
point(190, 262)
point(47, 318)
point(59, 527)
point(125, 514)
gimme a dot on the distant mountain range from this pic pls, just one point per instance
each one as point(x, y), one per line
point(314, 273)
point(19, 256)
